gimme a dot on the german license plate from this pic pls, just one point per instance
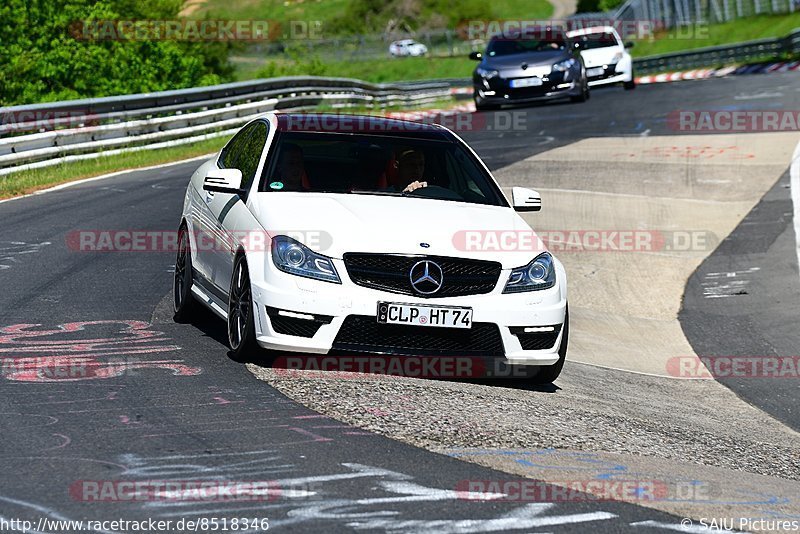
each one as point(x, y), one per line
point(424, 315)
point(597, 71)
point(526, 82)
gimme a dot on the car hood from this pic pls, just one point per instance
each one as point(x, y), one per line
point(531, 58)
point(597, 57)
point(334, 224)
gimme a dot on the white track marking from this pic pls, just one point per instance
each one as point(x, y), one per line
point(611, 368)
point(526, 517)
point(104, 176)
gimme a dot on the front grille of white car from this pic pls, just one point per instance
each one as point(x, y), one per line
point(363, 333)
point(391, 272)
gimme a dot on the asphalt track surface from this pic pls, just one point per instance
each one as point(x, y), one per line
point(744, 301)
point(167, 404)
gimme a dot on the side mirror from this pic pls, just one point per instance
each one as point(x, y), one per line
point(224, 181)
point(629, 44)
point(525, 199)
point(476, 56)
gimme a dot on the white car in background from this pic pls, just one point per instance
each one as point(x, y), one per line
point(407, 47)
point(605, 55)
point(306, 240)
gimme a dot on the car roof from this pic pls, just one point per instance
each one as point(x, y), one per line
point(340, 123)
point(592, 29)
point(530, 33)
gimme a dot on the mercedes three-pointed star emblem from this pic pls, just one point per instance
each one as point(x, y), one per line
point(426, 277)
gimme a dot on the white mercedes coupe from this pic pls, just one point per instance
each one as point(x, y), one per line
point(341, 234)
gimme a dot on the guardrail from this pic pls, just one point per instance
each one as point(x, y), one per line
point(107, 126)
point(720, 55)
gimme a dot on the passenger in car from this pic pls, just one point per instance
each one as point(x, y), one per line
point(291, 169)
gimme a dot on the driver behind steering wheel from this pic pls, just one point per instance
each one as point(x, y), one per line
point(410, 170)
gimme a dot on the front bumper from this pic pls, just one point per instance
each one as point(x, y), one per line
point(302, 315)
point(612, 73)
point(554, 86)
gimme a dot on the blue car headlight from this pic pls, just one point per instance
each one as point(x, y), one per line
point(295, 258)
point(564, 66)
point(538, 274)
point(486, 73)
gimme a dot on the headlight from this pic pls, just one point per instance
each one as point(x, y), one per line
point(486, 73)
point(617, 57)
point(564, 65)
point(295, 258)
point(538, 274)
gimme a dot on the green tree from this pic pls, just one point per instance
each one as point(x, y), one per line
point(43, 58)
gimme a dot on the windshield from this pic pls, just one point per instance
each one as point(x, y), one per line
point(377, 165)
point(596, 40)
point(505, 47)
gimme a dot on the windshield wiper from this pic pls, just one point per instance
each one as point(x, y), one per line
point(382, 193)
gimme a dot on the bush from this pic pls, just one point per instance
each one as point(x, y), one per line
point(40, 59)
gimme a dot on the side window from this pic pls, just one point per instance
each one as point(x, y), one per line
point(464, 178)
point(250, 152)
point(230, 154)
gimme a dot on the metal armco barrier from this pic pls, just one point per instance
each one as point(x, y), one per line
point(80, 129)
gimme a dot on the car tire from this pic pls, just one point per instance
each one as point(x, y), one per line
point(629, 86)
point(184, 305)
point(480, 105)
point(584, 96)
point(241, 323)
point(548, 373)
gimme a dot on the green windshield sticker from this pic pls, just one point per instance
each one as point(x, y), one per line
point(276, 185)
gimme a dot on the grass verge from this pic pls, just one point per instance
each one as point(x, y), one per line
point(746, 29)
point(373, 70)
